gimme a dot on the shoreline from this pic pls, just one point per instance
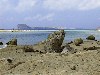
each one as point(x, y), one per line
point(52, 57)
point(51, 63)
point(47, 30)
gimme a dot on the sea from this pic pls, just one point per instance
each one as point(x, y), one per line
point(35, 36)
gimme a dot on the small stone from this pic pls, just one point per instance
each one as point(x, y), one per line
point(12, 42)
point(67, 49)
point(96, 40)
point(9, 60)
point(1, 43)
point(28, 49)
point(70, 42)
point(89, 48)
point(78, 41)
point(73, 68)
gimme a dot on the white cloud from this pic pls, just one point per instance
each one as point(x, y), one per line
point(47, 17)
point(31, 18)
point(19, 6)
point(4, 6)
point(10, 19)
point(71, 4)
point(89, 4)
point(24, 5)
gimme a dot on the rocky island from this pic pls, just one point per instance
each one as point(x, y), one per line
point(52, 57)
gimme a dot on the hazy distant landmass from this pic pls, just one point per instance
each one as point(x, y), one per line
point(23, 27)
point(26, 27)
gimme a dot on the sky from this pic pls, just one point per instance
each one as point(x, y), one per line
point(50, 13)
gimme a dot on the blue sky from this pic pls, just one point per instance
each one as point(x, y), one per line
point(50, 13)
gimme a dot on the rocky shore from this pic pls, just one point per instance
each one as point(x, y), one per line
point(52, 57)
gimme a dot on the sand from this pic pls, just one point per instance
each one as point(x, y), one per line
point(81, 62)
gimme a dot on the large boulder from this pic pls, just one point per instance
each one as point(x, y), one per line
point(91, 37)
point(12, 42)
point(52, 43)
point(78, 41)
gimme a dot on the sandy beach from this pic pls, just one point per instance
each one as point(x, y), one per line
point(82, 60)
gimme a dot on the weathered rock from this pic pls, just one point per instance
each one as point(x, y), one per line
point(52, 43)
point(70, 42)
point(91, 37)
point(98, 42)
point(27, 49)
point(67, 49)
point(12, 42)
point(1, 43)
point(9, 60)
point(89, 48)
point(73, 68)
point(78, 41)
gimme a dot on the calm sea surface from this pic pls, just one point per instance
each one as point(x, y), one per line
point(32, 37)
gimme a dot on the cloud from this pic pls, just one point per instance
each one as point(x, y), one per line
point(19, 6)
point(39, 17)
point(98, 18)
point(89, 4)
point(25, 5)
point(22, 6)
point(48, 17)
point(7, 19)
point(71, 4)
point(4, 6)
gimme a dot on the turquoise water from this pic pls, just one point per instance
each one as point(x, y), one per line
point(32, 37)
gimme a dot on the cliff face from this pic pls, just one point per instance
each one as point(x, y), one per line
point(23, 27)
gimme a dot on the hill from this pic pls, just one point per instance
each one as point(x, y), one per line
point(26, 27)
point(23, 27)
